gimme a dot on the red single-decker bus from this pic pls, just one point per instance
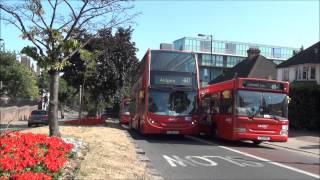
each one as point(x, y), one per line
point(246, 109)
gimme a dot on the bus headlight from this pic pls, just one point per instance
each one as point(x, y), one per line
point(187, 118)
point(283, 132)
point(285, 127)
point(153, 121)
point(239, 130)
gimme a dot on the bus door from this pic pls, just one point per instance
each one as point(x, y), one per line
point(141, 110)
point(224, 117)
point(205, 120)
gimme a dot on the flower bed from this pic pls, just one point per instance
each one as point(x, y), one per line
point(32, 156)
point(87, 121)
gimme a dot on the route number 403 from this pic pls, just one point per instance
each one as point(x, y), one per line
point(175, 161)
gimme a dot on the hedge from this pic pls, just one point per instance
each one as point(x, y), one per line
point(304, 107)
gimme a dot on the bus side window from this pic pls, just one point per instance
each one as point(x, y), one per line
point(226, 102)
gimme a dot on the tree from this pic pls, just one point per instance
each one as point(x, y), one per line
point(53, 26)
point(18, 79)
point(66, 92)
point(110, 70)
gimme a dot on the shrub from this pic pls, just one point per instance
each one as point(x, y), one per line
point(304, 111)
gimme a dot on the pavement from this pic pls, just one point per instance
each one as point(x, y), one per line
point(302, 141)
point(70, 115)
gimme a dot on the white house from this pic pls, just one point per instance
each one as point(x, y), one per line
point(302, 67)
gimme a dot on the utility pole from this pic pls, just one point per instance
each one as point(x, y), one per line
point(80, 103)
point(2, 45)
point(211, 57)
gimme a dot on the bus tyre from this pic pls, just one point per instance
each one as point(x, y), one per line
point(214, 132)
point(257, 142)
point(139, 130)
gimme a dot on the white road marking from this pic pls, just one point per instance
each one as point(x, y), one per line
point(207, 160)
point(192, 159)
point(256, 157)
point(176, 160)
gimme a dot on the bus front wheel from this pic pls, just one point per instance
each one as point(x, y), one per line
point(130, 124)
point(214, 131)
point(139, 127)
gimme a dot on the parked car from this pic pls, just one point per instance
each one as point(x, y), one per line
point(38, 117)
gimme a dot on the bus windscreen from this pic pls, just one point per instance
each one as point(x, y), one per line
point(262, 104)
point(173, 61)
point(171, 103)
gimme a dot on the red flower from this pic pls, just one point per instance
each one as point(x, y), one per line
point(21, 153)
point(30, 175)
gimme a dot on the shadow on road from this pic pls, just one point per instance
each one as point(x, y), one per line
point(310, 147)
point(223, 142)
point(163, 138)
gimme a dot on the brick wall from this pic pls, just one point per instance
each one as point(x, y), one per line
point(15, 113)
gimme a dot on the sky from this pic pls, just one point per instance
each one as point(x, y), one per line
point(281, 23)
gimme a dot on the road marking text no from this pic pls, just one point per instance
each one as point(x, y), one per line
point(175, 161)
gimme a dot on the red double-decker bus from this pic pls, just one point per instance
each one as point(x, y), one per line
point(246, 109)
point(124, 114)
point(165, 95)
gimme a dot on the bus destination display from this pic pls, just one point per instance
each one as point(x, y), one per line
point(263, 85)
point(172, 80)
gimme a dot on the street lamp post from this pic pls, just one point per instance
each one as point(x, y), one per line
point(204, 35)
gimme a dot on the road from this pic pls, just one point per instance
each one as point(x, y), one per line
point(179, 157)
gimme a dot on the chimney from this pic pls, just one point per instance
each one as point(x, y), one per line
point(253, 52)
point(166, 46)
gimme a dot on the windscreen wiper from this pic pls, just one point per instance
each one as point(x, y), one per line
point(276, 117)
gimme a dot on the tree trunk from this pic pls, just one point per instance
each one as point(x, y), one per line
point(53, 104)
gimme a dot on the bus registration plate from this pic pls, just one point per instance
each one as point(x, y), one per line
point(263, 138)
point(172, 132)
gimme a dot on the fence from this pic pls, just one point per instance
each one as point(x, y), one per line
point(15, 113)
point(15, 109)
point(9, 102)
